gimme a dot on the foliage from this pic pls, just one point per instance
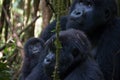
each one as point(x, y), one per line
point(4, 71)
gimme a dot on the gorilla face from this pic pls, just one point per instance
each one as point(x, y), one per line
point(87, 16)
point(65, 60)
point(33, 47)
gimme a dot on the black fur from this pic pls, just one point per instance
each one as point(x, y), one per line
point(75, 61)
point(32, 51)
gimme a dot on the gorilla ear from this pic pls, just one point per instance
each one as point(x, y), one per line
point(107, 13)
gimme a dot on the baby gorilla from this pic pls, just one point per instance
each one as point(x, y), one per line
point(32, 50)
point(75, 62)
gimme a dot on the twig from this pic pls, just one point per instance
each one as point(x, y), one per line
point(27, 27)
point(19, 44)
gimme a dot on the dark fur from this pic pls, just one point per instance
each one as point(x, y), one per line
point(102, 28)
point(31, 59)
point(37, 72)
point(49, 30)
point(75, 61)
point(116, 66)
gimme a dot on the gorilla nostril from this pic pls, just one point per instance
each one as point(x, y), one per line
point(78, 13)
point(48, 60)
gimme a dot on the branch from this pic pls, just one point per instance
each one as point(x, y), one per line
point(50, 5)
point(27, 27)
point(19, 44)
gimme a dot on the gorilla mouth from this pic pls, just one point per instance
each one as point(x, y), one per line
point(74, 24)
point(77, 22)
point(35, 52)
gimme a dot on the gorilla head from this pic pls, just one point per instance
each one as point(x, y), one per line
point(90, 15)
point(33, 47)
point(73, 55)
point(75, 46)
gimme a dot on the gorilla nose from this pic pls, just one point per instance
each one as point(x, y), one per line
point(76, 13)
point(49, 58)
point(47, 61)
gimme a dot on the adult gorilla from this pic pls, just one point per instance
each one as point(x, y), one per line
point(98, 19)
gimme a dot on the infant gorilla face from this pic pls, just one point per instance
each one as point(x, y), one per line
point(65, 60)
point(35, 48)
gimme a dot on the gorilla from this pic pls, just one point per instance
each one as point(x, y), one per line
point(75, 61)
point(98, 20)
point(32, 50)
